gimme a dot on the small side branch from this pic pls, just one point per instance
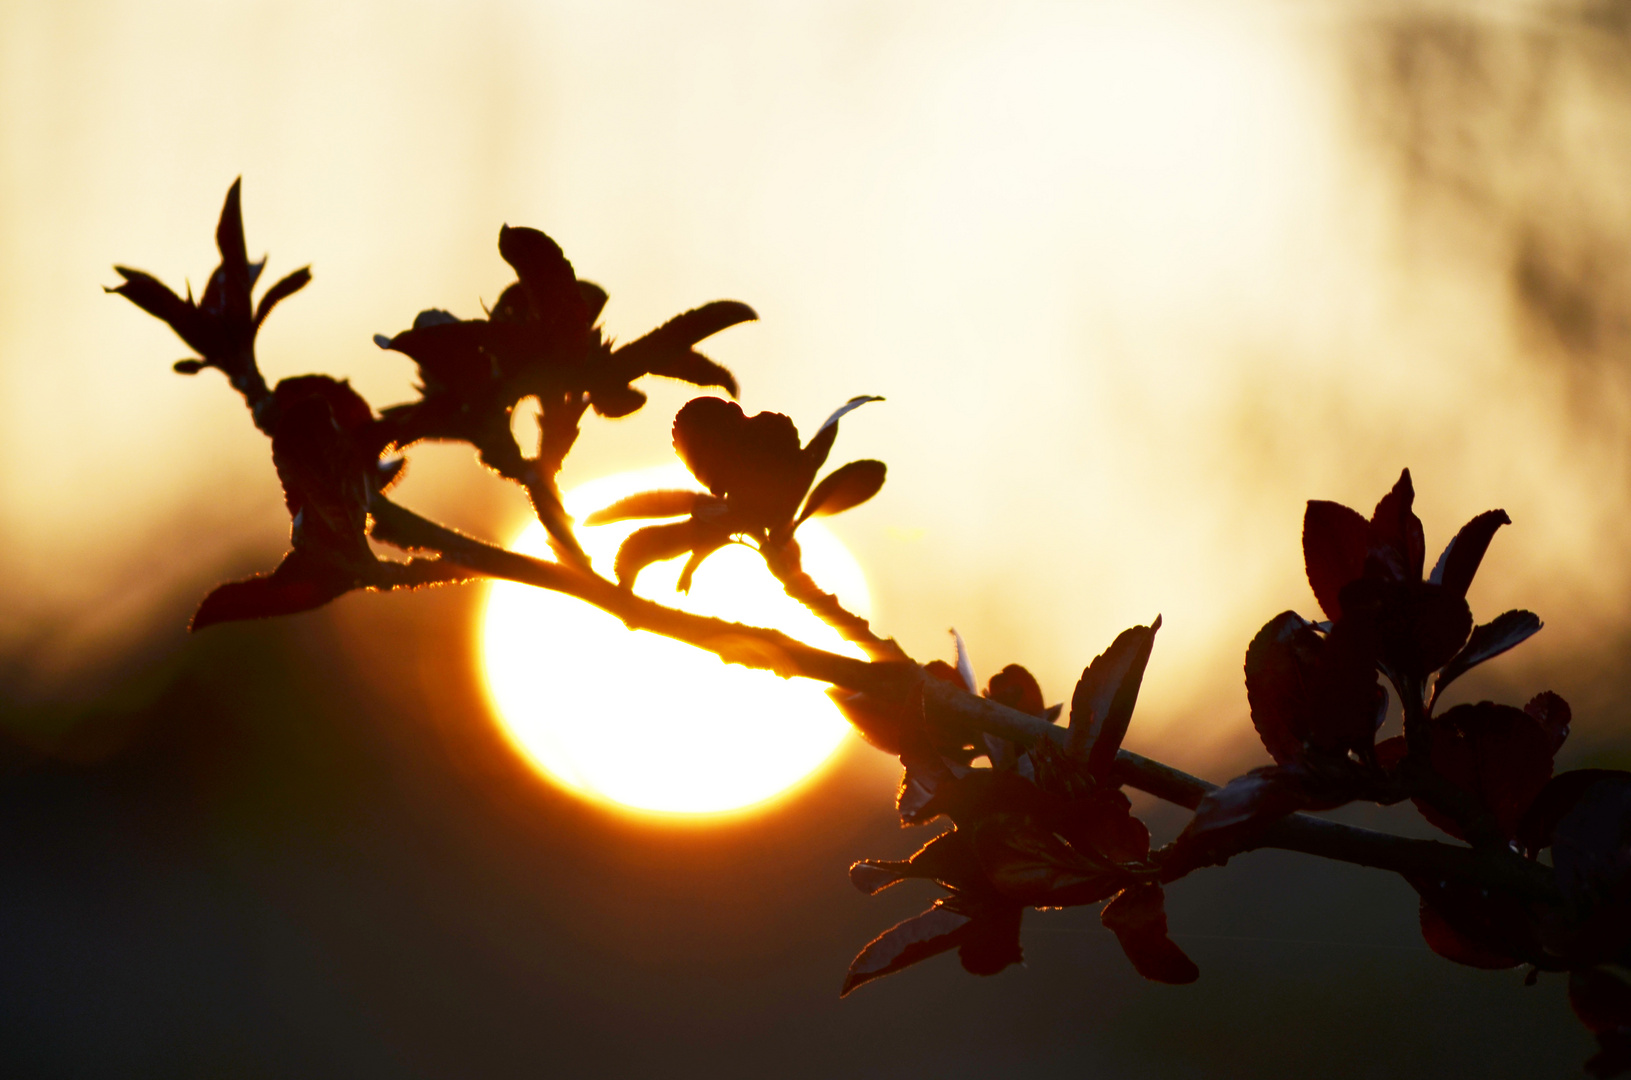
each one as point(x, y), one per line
point(799, 585)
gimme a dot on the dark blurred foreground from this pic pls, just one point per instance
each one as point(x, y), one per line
point(253, 861)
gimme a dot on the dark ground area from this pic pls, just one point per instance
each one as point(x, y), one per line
point(266, 864)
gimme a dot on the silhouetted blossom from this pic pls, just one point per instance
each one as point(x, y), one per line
point(221, 326)
point(541, 339)
point(756, 473)
point(1044, 826)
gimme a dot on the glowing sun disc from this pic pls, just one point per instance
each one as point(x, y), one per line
point(651, 723)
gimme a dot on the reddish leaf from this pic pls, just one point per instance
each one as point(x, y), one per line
point(948, 859)
point(1449, 943)
point(1552, 713)
point(300, 583)
point(933, 932)
point(1477, 926)
point(1305, 690)
point(1102, 820)
point(1017, 688)
point(648, 504)
point(1499, 755)
point(1410, 628)
point(1030, 865)
point(1138, 918)
point(1230, 818)
point(654, 543)
point(991, 942)
point(1335, 540)
point(1458, 564)
point(1397, 547)
point(892, 726)
point(1102, 706)
point(1489, 641)
point(845, 488)
point(1601, 997)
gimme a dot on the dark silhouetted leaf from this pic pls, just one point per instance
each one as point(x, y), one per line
point(558, 306)
point(1449, 943)
point(1305, 689)
point(1335, 540)
point(594, 299)
point(1231, 817)
point(300, 583)
point(1398, 549)
point(229, 237)
point(1459, 563)
point(754, 462)
point(1138, 918)
point(1102, 705)
point(815, 454)
point(1499, 755)
point(1030, 865)
point(155, 298)
point(668, 350)
point(1591, 846)
point(654, 543)
point(1477, 926)
point(285, 288)
point(1017, 688)
point(1601, 997)
point(1409, 628)
point(933, 932)
point(844, 488)
point(1489, 641)
point(949, 859)
point(647, 504)
point(1553, 714)
point(991, 942)
point(1556, 799)
point(894, 727)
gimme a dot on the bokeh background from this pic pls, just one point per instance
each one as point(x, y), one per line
point(1137, 280)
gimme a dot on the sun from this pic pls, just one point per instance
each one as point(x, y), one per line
point(646, 722)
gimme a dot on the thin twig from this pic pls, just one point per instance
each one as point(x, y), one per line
point(799, 585)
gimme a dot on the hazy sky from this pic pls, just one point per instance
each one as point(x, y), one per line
point(1137, 280)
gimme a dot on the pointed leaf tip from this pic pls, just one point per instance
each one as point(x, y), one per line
point(1459, 562)
point(1102, 706)
point(935, 931)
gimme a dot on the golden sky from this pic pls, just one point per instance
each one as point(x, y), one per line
point(1137, 279)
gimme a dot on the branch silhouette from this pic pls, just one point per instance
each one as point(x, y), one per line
point(1044, 821)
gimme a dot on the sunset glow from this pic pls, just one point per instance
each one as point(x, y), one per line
point(646, 722)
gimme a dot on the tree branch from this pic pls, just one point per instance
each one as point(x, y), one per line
point(799, 585)
point(734, 643)
point(951, 706)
